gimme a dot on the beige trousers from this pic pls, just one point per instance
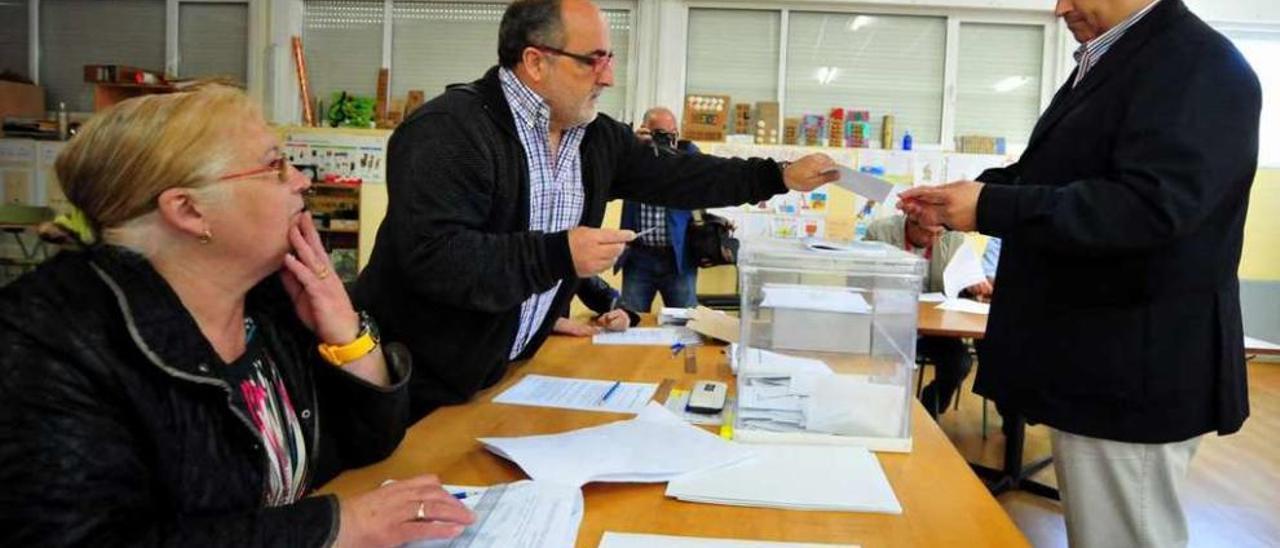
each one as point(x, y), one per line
point(1121, 494)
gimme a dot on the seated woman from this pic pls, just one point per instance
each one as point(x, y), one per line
point(187, 379)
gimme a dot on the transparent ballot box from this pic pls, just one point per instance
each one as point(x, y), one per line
point(828, 344)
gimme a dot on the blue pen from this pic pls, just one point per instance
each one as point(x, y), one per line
point(676, 348)
point(609, 392)
point(459, 495)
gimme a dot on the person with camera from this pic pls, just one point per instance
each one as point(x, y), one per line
point(658, 261)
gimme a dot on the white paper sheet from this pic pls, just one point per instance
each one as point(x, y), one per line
point(582, 394)
point(815, 298)
point(800, 477)
point(622, 451)
point(933, 297)
point(524, 514)
point(759, 362)
point(964, 270)
point(965, 305)
point(1259, 344)
point(635, 540)
point(851, 406)
point(647, 336)
point(862, 184)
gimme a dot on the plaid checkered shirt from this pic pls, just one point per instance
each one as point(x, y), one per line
point(556, 196)
point(653, 216)
point(1088, 54)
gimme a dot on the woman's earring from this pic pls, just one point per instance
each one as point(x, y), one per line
point(206, 237)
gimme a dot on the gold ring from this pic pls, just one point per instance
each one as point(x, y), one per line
point(422, 511)
point(323, 272)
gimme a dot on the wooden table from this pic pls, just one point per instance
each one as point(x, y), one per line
point(943, 502)
point(949, 323)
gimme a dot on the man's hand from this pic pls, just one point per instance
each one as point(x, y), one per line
point(644, 135)
point(810, 172)
point(982, 290)
point(594, 250)
point(953, 205)
point(573, 328)
point(614, 320)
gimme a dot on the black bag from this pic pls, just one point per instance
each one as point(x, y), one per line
point(710, 240)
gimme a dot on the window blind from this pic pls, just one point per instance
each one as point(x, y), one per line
point(14, 37)
point(75, 33)
point(343, 43)
point(734, 53)
point(998, 80)
point(213, 40)
point(886, 64)
point(435, 44)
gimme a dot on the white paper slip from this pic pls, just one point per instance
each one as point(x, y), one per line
point(933, 297)
point(964, 270)
point(1259, 344)
point(647, 336)
point(651, 448)
point(524, 514)
point(757, 362)
point(862, 184)
point(833, 299)
point(582, 394)
point(635, 540)
point(771, 398)
point(800, 477)
point(965, 305)
point(840, 246)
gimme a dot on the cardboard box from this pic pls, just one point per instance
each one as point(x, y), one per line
point(21, 100)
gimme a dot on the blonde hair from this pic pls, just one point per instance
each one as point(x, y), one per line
point(125, 156)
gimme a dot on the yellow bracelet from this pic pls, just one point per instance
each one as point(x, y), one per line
point(343, 354)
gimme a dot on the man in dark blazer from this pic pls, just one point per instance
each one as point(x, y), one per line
point(1134, 187)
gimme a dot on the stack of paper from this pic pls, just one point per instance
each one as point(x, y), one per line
point(581, 394)
point(623, 451)
point(799, 477)
point(524, 514)
point(826, 299)
point(674, 316)
point(648, 336)
point(634, 540)
point(965, 305)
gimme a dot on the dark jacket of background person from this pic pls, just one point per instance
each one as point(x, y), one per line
point(677, 221)
point(116, 428)
point(454, 258)
point(1117, 314)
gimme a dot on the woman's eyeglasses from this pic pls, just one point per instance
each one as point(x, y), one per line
point(598, 60)
point(279, 166)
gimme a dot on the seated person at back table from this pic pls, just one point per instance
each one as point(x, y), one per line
point(597, 295)
point(164, 384)
point(949, 355)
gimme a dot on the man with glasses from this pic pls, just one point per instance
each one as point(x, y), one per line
point(496, 189)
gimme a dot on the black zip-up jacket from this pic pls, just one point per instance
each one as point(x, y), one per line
point(455, 258)
point(116, 427)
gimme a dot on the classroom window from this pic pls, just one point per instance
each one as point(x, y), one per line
point(734, 53)
point(343, 44)
point(72, 35)
point(999, 80)
point(616, 101)
point(14, 36)
point(434, 44)
point(213, 40)
point(885, 64)
point(1262, 50)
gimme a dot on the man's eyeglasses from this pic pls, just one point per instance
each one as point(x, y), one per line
point(279, 166)
point(598, 60)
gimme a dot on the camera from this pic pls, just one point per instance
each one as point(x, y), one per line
point(664, 140)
